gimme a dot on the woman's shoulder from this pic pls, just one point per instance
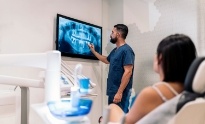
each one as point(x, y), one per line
point(148, 93)
point(148, 97)
point(167, 90)
point(149, 89)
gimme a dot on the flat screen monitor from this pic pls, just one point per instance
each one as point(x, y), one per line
point(73, 36)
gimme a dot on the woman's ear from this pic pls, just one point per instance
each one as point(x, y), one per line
point(159, 59)
point(157, 63)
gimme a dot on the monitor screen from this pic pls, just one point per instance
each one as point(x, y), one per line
point(73, 36)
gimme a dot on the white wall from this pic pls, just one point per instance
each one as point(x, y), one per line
point(201, 26)
point(139, 8)
point(28, 26)
point(175, 17)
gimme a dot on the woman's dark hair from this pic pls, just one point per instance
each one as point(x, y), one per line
point(123, 29)
point(176, 53)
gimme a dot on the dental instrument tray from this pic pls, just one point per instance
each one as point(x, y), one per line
point(63, 109)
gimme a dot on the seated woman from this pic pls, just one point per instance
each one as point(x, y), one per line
point(173, 57)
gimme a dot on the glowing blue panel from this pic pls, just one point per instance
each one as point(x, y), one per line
point(74, 35)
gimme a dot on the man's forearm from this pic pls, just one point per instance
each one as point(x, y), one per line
point(124, 81)
point(101, 57)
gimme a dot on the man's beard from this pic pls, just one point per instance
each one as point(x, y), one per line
point(113, 40)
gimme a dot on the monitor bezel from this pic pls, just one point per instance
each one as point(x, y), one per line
point(72, 54)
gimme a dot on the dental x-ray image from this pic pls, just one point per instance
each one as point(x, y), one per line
point(74, 35)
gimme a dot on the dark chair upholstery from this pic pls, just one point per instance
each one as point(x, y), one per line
point(189, 94)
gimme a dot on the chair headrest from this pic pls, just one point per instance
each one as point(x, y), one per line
point(195, 79)
point(194, 84)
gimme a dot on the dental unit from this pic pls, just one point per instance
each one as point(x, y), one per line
point(50, 62)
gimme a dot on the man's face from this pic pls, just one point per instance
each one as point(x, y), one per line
point(113, 40)
point(114, 36)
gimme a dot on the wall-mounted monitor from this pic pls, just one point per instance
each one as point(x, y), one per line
point(73, 36)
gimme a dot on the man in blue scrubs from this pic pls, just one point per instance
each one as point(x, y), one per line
point(121, 60)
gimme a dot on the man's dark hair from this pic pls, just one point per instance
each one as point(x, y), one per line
point(123, 29)
point(176, 53)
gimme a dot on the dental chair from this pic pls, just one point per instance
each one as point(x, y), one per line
point(49, 62)
point(192, 112)
point(187, 107)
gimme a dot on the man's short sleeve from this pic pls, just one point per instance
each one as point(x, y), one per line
point(129, 57)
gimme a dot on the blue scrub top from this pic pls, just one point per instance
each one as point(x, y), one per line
point(118, 58)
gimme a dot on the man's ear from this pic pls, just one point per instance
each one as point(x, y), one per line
point(118, 34)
